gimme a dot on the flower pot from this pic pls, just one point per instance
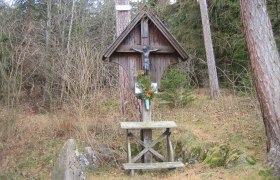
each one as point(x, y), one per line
point(147, 103)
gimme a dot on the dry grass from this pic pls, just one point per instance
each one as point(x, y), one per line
point(31, 152)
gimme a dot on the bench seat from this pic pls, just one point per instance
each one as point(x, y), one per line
point(148, 125)
point(146, 166)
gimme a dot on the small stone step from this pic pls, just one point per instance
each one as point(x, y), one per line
point(162, 165)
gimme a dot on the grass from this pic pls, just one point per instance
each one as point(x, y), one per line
point(31, 152)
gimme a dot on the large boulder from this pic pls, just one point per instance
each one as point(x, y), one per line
point(70, 164)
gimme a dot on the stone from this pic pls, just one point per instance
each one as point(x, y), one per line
point(70, 163)
point(90, 156)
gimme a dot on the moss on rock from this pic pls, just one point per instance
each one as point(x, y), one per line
point(251, 160)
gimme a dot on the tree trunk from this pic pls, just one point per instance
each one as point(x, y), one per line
point(122, 20)
point(66, 70)
point(265, 62)
point(212, 72)
point(48, 58)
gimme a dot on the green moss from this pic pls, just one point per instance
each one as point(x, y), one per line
point(251, 160)
point(232, 160)
point(217, 155)
point(266, 174)
point(216, 162)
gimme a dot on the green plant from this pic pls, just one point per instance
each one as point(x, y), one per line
point(175, 89)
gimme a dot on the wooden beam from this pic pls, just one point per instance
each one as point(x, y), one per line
point(143, 152)
point(158, 155)
point(162, 49)
point(144, 27)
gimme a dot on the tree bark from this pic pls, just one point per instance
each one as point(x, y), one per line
point(212, 72)
point(265, 63)
point(48, 58)
point(66, 73)
point(122, 20)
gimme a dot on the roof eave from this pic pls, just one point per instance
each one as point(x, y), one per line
point(179, 49)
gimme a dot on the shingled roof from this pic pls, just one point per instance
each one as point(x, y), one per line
point(146, 13)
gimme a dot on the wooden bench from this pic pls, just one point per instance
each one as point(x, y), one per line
point(148, 147)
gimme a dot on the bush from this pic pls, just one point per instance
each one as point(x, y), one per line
point(175, 90)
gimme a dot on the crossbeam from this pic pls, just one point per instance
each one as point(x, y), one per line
point(148, 147)
point(162, 49)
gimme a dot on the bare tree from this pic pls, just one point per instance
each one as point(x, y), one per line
point(265, 62)
point(212, 72)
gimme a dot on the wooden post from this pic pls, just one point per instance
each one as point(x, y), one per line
point(146, 135)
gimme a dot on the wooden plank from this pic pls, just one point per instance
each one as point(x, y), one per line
point(162, 49)
point(146, 166)
point(144, 27)
point(148, 125)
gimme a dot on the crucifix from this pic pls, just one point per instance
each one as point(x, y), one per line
point(147, 35)
point(146, 53)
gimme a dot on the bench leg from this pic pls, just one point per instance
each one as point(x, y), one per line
point(131, 172)
point(170, 152)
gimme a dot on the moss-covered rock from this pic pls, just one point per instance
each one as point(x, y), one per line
point(233, 156)
point(217, 155)
point(191, 150)
point(215, 162)
point(232, 160)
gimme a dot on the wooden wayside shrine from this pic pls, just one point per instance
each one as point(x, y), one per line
point(146, 31)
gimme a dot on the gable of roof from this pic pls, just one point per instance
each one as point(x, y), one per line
point(171, 39)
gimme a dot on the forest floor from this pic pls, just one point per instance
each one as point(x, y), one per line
point(235, 120)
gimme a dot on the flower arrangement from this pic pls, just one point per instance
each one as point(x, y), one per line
point(144, 84)
point(145, 89)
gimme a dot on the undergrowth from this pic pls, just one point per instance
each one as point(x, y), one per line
point(32, 151)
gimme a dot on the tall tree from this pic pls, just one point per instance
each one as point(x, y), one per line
point(123, 18)
point(213, 78)
point(265, 62)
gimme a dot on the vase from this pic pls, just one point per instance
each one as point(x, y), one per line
point(147, 103)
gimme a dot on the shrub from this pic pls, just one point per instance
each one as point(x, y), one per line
point(175, 90)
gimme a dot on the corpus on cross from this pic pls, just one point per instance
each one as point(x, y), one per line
point(146, 53)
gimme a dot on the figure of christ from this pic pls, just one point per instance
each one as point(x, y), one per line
point(146, 54)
